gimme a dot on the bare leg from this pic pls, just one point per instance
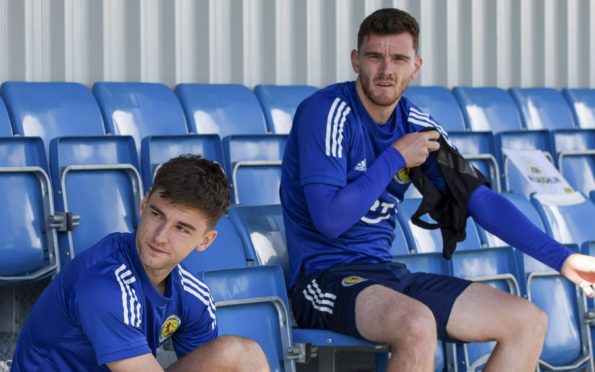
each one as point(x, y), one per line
point(384, 315)
point(483, 313)
point(225, 353)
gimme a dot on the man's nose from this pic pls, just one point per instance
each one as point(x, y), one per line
point(161, 234)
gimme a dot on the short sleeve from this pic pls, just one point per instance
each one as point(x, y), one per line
point(200, 323)
point(110, 315)
point(323, 137)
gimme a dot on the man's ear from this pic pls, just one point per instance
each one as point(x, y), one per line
point(418, 62)
point(207, 240)
point(354, 61)
point(144, 202)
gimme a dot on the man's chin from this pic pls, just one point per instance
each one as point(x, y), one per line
point(385, 102)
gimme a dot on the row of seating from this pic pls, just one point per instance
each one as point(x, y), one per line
point(50, 110)
point(142, 110)
point(483, 121)
point(253, 281)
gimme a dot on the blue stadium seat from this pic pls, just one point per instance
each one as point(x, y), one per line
point(566, 345)
point(521, 140)
point(96, 179)
point(589, 249)
point(525, 207)
point(480, 149)
point(51, 110)
point(262, 231)
point(222, 109)
point(488, 109)
point(252, 302)
point(496, 267)
point(441, 104)
point(399, 245)
point(28, 243)
point(424, 241)
point(279, 103)
point(542, 108)
point(254, 165)
point(5, 128)
point(226, 252)
point(568, 217)
point(156, 150)
point(575, 157)
point(140, 110)
point(582, 103)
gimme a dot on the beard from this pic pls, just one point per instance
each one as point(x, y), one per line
point(381, 98)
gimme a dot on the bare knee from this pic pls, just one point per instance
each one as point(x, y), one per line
point(530, 322)
point(243, 353)
point(418, 327)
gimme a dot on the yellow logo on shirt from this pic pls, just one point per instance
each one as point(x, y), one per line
point(352, 280)
point(169, 327)
point(402, 176)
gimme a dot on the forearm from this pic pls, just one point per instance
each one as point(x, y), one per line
point(500, 217)
point(334, 209)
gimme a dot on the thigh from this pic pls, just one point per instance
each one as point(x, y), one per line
point(482, 313)
point(382, 314)
point(327, 299)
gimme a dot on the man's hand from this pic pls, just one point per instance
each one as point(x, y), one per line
point(580, 269)
point(416, 147)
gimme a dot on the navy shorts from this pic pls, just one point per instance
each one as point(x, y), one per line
point(326, 299)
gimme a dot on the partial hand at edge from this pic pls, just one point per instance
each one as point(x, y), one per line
point(580, 269)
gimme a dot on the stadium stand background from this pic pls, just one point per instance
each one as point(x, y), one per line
point(465, 43)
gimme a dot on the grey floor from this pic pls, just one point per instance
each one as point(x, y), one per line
point(15, 304)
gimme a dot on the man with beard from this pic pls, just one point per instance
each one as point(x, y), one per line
point(344, 173)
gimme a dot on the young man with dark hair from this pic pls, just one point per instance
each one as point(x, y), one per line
point(344, 174)
point(118, 301)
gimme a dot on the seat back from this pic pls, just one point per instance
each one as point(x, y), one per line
point(567, 337)
point(440, 103)
point(568, 217)
point(252, 302)
point(140, 110)
point(50, 110)
point(582, 104)
point(542, 108)
point(28, 243)
point(576, 157)
point(156, 150)
point(488, 109)
point(97, 179)
point(480, 150)
point(279, 103)
point(221, 109)
point(525, 207)
point(262, 233)
point(5, 128)
point(254, 163)
point(423, 240)
point(226, 252)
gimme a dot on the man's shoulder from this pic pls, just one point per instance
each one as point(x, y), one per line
point(190, 285)
point(330, 95)
point(106, 263)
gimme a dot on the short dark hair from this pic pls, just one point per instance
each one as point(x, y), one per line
point(388, 21)
point(194, 182)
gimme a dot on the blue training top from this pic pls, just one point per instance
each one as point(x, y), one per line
point(342, 180)
point(334, 141)
point(102, 308)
